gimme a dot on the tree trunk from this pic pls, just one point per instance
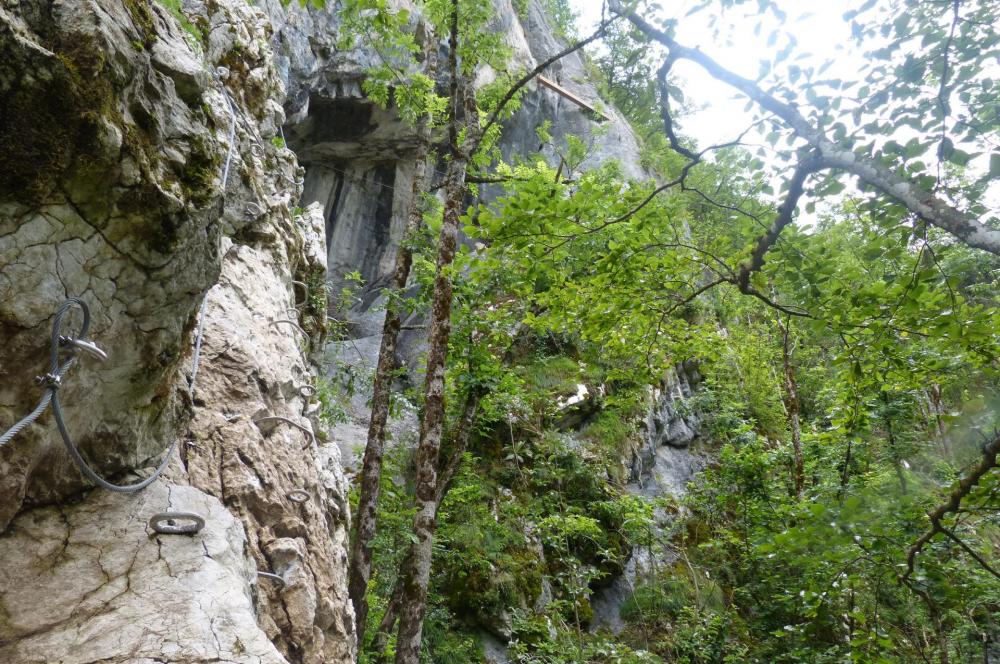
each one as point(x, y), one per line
point(462, 100)
point(371, 471)
point(897, 461)
point(381, 639)
point(460, 442)
point(793, 406)
point(425, 520)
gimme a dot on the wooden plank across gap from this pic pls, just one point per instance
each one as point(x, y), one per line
point(552, 85)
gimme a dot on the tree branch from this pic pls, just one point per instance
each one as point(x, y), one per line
point(668, 122)
point(924, 204)
point(965, 547)
point(527, 78)
point(964, 487)
point(796, 188)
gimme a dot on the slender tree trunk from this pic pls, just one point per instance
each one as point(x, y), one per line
point(893, 448)
point(845, 470)
point(460, 442)
point(431, 427)
point(417, 578)
point(936, 406)
point(371, 471)
point(381, 640)
point(792, 405)
point(462, 100)
point(942, 637)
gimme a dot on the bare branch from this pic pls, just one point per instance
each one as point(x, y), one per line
point(668, 122)
point(942, 98)
point(785, 213)
point(527, 78)
point(964, 487)
point(753, 292)
point(965, 547)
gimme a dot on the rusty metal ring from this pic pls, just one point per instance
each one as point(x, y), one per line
point(165, 523)
point(299, 496)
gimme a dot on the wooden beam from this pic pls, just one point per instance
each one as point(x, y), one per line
point(552, 85)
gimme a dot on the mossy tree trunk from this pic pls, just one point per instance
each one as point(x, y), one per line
point(793, 406)
point(371, 471)
point(416, 579)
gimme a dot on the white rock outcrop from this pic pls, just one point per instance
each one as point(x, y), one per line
point(92, 582)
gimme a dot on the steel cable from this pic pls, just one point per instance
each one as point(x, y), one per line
point(52, 381)
point(196, 360)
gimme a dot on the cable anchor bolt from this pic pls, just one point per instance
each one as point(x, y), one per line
point(51, 381)
point(88, 347)
point(166, 523)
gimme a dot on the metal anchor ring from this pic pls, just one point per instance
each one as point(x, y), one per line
point(88, 347)
point(272, 577)
point(165, 523)
point(299, 496)
point(307, 391)
point(257, 149)
point(254, 210)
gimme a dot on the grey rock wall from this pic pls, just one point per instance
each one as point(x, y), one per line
point(116, 131)
point(359, 158)
point(109, 192)
point(91, 582)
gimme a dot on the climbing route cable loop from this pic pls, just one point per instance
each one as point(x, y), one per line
point(292, 324)
point(273, 577)
point(278, 418)
point(298, 496)
point(29, 419)
point(197, 346)
point(52, 381)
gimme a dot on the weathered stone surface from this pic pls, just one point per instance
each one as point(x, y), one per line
point(670, 421)
point(612, 141)
point(108, 191)
point(119, 200)
point(253, 367)
point(359, 164)
point(91, 582)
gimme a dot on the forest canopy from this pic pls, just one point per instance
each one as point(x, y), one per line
point(843, 370)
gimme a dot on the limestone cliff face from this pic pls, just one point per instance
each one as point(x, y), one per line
point(117, 125)
point(359, 158)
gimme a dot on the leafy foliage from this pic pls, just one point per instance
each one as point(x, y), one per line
point(887, 324)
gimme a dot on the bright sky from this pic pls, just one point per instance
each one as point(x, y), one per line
point(818, 26)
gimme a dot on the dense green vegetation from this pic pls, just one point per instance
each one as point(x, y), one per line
point(849, 367)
